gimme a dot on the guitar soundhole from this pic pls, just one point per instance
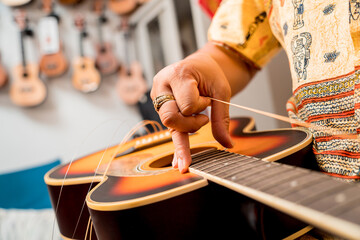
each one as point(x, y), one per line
point(166, 161)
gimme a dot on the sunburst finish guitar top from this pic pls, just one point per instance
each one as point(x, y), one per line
point(141, 175)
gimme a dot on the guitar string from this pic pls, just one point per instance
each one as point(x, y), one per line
point(155, 125)
point(329, 130)
point(72, 160)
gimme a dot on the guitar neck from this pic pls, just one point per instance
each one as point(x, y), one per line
point(22, 48)
point(100, 33)
point(81, 43)
point(310, 196)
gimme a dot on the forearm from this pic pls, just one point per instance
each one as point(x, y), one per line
point(236, 71)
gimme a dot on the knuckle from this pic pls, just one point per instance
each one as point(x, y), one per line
point(187, 108)
point(168, 119)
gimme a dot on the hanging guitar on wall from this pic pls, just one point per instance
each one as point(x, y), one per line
point(131, 85)
point(3, 75)
point(27, 90)
point(86, 77)
point(105, 60)
point(15, 3)
point(53, 62)
point(70, 2)
point(122, 7)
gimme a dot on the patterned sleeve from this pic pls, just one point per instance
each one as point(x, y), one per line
point(243, 26)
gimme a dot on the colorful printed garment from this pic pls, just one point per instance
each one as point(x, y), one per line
point(322, 41)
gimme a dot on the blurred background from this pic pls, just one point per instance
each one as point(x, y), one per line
point(71, 122)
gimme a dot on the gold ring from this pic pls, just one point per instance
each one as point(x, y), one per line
point(160, 100)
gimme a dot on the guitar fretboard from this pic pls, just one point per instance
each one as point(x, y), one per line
point(313, 197)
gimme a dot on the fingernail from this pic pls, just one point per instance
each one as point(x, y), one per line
point(180, 165)
point(232, 142)
point(174, 161)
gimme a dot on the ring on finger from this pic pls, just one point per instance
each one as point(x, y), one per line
point(161, 99)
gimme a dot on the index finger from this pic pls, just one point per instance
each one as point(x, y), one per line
point(182, 156)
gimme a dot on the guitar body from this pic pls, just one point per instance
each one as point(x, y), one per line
point(15, 3)
point(53, 65)
point(122, 7)
point(143, 195)
point(85, 77)
point(69, 2)
point(3, 76)
point(27, 90)
point(105, 60)
point(131, 85)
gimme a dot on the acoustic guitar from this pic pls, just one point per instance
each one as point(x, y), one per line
point(86, 77)
point(3, 75)
point(53, 62)
point(69, 2)
point(105, 60)
point(15, 3)
point(27, 90)
point(131, 85)
point(142, 194)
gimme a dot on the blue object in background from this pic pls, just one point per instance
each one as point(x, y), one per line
point(26, 189)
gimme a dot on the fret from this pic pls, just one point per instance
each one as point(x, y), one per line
point(353, 214)
point(256, 169)
point(208, 158)
point(311, 191)
point(276, 179)
point(223, 161)
point(238, 170)
point(232, 164)
point(275, 171)
point(211, 161)
point(335, 201)
point(292, 185)
point(201, 154)
point(211, 158)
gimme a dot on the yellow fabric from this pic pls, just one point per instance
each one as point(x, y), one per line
point(243, 26)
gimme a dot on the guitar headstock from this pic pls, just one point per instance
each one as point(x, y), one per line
point(47, 6)
point(99, 7)
point(21, 19)
point(80, 22)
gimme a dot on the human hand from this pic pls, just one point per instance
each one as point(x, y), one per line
point(192, 81)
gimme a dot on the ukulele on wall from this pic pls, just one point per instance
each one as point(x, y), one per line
point(122, 7)
point(131, 85)
point(70, 2)
point(15, 3)
point(3, 75)
point(27, 90)
point(86, 77)
point(105, 60)
point(53, 62)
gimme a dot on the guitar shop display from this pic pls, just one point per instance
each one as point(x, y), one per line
point(53, 62)
point(86, 78)
point(26, 90)
point(105, 59)
point(131, 85)
point(142, 191)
